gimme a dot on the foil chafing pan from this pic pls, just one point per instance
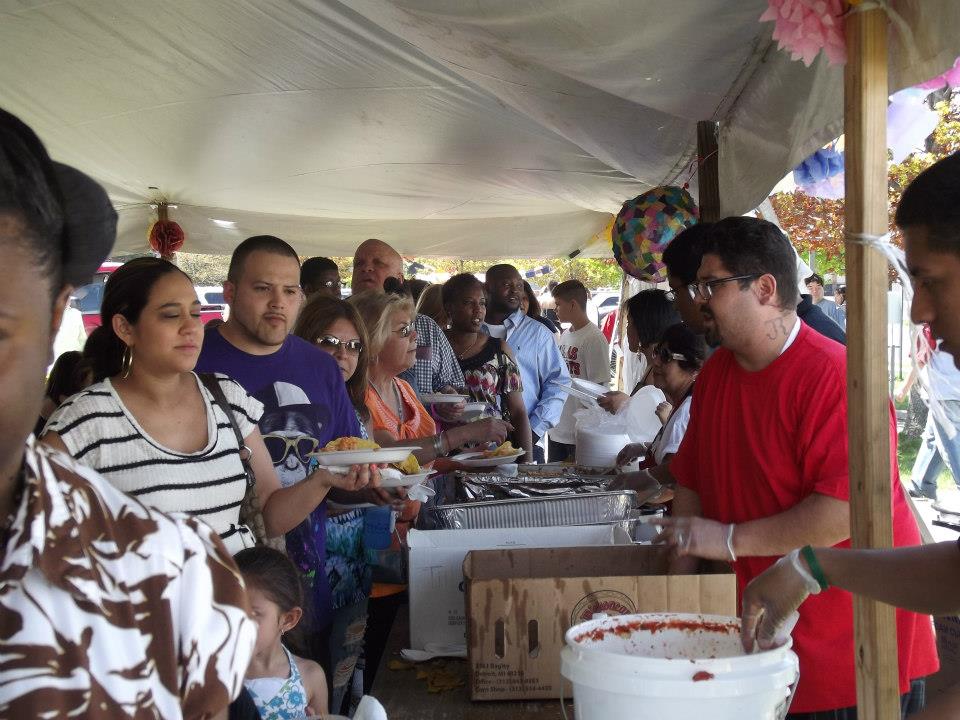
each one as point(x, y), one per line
point(585, 509)
point(471, 487)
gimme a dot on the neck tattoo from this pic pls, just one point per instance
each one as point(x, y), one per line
point(777, 327)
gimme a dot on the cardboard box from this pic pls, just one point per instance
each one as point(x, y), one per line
point(521, 602)
point(948, 647)
point(437, 609)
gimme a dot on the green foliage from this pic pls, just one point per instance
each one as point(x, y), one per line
point(817, 224)
point(204, 269)
point(592, 272)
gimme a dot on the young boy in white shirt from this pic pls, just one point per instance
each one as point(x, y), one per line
point(587, 354)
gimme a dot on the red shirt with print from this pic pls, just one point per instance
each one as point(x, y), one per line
point(760, 442)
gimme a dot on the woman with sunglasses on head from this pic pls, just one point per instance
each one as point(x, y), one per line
point(649, 314)
point(677, 360)
point(155, 430)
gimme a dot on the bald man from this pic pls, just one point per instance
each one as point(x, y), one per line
point(436, 368)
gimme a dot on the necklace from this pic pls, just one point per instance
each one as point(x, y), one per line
point(477, 337)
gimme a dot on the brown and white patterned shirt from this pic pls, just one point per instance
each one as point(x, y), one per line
point(109, 609)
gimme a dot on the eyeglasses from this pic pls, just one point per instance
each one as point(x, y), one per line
point(662, 353)
point(705, 289)
point(333, 343)
point(404, 330)
point(329, 284)
point(280, 446)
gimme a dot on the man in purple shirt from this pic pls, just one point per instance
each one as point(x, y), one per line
point(305, 400)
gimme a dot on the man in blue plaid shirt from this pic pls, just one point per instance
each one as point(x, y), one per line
point(436, 368)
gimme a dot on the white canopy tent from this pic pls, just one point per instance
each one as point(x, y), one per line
point(448, 128)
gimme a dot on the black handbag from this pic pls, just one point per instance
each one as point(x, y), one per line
point(251, 514)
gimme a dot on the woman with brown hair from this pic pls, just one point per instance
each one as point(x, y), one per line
point(334, 326)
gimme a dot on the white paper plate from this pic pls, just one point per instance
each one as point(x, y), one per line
point(476, 459)
point(404, 481)
point(475, 411)
point(439, 398)
point(592, 389)
point(362, 457)
point(586, 397)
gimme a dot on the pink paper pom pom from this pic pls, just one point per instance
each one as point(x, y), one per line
point(805, 27)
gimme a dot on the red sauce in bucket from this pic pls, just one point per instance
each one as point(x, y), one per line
point(655, 626)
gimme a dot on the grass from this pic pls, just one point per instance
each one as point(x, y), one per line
point(907, 449)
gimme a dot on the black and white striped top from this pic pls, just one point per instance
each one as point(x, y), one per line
point(100, 432)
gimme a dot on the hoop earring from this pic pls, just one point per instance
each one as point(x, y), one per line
point(126, 362)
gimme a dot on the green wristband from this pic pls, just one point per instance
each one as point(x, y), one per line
point(814, 566)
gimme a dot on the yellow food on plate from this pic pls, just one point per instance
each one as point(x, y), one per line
point(506, 449)
point(350, 443)
point(410, 466)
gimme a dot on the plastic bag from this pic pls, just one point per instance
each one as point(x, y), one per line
point(600, 436)
point(639, 416)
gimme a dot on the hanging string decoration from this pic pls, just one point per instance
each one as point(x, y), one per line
point(805, 27)
point(645, 226)
point(166, 236)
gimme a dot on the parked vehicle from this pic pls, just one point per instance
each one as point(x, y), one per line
point(606, 301)
point(87, 299)
point(212, 304)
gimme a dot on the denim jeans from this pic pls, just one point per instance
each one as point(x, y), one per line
point(937, 450)
point(346, 645)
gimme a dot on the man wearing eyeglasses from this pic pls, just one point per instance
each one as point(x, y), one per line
point(763, 465)
point(320, 276)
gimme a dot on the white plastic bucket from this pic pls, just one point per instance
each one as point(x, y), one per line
point(676, 666)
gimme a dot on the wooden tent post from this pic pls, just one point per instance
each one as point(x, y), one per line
point(708, 170)
point(865, 112)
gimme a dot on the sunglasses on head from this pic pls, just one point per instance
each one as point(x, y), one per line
point(662, 353)
point(329, 341)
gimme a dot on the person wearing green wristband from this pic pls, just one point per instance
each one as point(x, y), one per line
point(923, 579)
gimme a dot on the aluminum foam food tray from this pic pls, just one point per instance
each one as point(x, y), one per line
point(599, 507)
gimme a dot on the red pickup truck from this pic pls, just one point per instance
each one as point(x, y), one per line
point(87, 299)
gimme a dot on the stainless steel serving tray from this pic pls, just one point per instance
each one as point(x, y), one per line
point(586, 509)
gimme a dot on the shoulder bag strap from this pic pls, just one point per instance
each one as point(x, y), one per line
point(210, 381)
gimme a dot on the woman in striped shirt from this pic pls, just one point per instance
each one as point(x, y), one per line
point(153, 429)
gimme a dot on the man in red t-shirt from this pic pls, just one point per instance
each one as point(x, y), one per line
point(763, 470)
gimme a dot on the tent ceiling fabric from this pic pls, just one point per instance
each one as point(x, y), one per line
point(502, 127)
